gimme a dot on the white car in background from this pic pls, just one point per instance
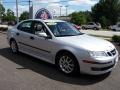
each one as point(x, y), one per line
point(115, 27)
point(58, 42)
point(92, 25)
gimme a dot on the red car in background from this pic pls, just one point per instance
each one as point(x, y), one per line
point(76, 26)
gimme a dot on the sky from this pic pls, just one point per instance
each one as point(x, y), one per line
point(52, 5)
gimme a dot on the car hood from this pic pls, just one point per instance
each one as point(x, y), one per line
point(87, 42)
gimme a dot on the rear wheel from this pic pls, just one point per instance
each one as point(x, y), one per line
point(14, 46)
point(67, 63)
point(84, 28)
point(95, 28)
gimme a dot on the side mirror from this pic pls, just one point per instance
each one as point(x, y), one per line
point(44, 35)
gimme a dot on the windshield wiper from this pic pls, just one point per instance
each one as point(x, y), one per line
point(64, 35)
point(69, 35)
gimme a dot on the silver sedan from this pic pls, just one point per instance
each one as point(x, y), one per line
point(58, 42)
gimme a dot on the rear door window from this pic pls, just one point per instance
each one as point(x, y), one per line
point(90, 24)
point(25, 26)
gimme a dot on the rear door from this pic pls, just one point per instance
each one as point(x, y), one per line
point(24, 36)
point(91, 25)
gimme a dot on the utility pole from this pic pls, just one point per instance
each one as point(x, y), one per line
point(29, 9)
point(66, 11)
point(60, 10)
point(17, 19)
point(54, 14)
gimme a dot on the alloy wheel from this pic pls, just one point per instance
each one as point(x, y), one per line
point(66, 64)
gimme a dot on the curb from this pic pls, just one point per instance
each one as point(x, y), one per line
point(103, 37)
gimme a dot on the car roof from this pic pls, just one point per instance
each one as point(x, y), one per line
point(53, 20)
point(48, 20)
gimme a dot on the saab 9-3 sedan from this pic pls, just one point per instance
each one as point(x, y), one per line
point(60, 43)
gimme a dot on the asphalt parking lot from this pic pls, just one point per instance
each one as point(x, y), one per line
point(22, 72)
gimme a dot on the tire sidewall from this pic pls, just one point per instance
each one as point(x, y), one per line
point(13, 41)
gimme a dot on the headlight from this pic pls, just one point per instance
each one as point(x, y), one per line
point(98, 54)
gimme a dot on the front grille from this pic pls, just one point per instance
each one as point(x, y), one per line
point(112, 53)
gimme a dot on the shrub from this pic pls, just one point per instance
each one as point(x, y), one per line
point(3, 29)
point(116, 39)
point(104, 22)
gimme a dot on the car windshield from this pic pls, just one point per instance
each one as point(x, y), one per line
point(61, 29)
point(98, 24)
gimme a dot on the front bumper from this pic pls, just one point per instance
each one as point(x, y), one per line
point(103, 67)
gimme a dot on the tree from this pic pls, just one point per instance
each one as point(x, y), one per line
point(24, 16)
point(88, 16)
point(2, 11)
point(81, 17)
point(109, 9)
point(9, 16)
point(104, 21)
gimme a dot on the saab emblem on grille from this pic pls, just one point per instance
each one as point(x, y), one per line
point(113, 52)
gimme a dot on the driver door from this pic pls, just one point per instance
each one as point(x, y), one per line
point(42, 46)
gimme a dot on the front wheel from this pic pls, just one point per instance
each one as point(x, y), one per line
point(67, 63)
point(13, 46)
point(114, 29)
point(84, 28)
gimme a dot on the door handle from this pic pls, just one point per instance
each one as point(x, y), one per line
point(17, 34)
point(32, 38)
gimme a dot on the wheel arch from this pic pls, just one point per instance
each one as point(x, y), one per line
point(11, 39)
point(63, 51)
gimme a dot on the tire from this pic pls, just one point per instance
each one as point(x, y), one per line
point(13, 46)
point(114, 29)
point(67, 63)
point(95, 28)
point(84, 28)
